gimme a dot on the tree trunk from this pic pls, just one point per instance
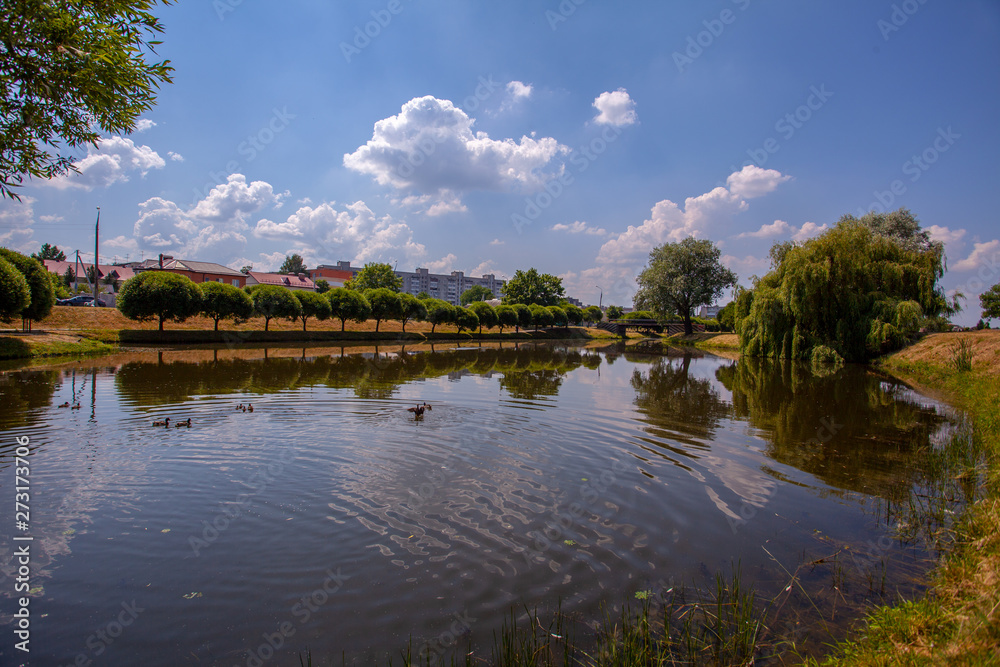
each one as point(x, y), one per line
point(217, 323)
point(303, 323)
point(267, 323)
point(343, 321)
point(688, 329)
point(161, 323)
point(376, 325)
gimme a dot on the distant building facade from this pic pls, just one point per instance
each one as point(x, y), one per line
point(447, 287)
point(709, 312)
point(198, 272)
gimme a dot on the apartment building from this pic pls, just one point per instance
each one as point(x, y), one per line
point(447, 287)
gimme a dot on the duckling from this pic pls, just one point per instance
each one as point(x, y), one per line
point(185, 423)
point(75, 407)
point(417, 411)
point(165, 422)
point(241, 407)
point(249, 407)
point(64, 405)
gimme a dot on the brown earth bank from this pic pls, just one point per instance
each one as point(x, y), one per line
point(939, 349)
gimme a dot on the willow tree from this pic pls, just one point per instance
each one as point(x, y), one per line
point(851, 291)
point(680, 277)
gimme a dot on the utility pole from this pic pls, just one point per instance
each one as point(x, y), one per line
point(97, 234)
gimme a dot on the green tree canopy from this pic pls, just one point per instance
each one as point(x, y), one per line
point(486, 314)
point(43, 297)
point(615, 312)
point(530, 287)
point(221, 301)
point(348, 304)
point(159, 295)
point(15, 295)
point(540, 316)
point(476, 293)
point(411, 308)
point(506, 316)
point(592, 314)
point(322, 286)
point(574, 314)
point(990, 302)
point(682, 276)
point(270, 301)
point(850, 290)
point(69, 71)
point(465, 319)
point(48, 251)
point(524, 317)
point(375, 275)
point(312, 304)
point(423, 296)
point(385, 303)
point(439, 312)
point(900, 226)
point(293, 265)
point(559, 317)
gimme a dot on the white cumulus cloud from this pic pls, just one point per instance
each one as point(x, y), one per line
point(615, 108)
point(326, 232)
point(579, 227)
point(753, 181)
point(429, 147)
point(108, 164)
point(983, 254)
point(144, 124)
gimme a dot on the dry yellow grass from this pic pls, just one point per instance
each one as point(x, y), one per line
point(937, 349)
point(89, 319)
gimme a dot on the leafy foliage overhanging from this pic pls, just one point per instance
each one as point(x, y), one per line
point(850, 290)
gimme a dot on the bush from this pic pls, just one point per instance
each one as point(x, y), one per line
point(346, 304)
point(592, 314)
point(640, 315)
point(506, 316)
point(574, 314)
point(486, 314)
point(159, 295)
point(15, 294)
point(271, 301)
point(41, 293)
point(466, 319)
point(540, 316)
point(439, 312)
point(385, 304)
point(559, 317)
point(411, 308)
point(524, 317)
point(312, 304)
point(221, 301)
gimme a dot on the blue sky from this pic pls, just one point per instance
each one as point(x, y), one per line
point(571, 136)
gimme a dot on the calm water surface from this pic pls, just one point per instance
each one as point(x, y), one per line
point(330, 519)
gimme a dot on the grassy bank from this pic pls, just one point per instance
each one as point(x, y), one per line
point(723, 341)
point(34, 345)
point(958, 621)
point(95, 331)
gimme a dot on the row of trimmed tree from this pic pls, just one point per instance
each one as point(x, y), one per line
point(26, 290)
point(164, 296)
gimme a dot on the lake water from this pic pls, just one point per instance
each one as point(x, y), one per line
point(330, 518)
